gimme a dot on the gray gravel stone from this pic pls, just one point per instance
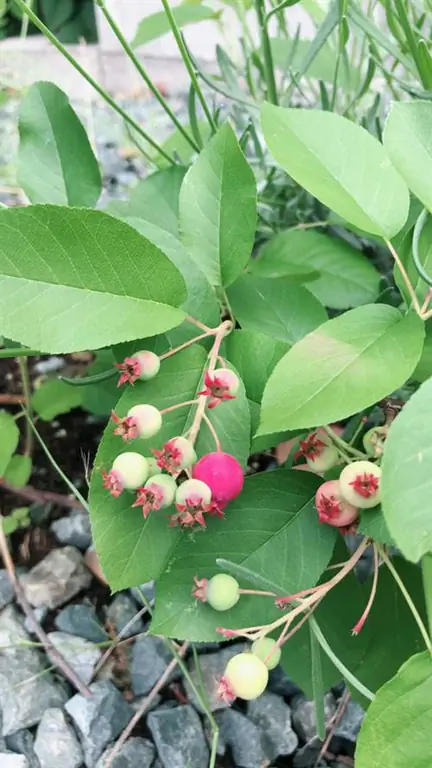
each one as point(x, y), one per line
point(74, 529)
point(150, 658)
point(212, 667)
point(273, 717)
point(99, 718)
point(40, 616)
point(8, 760)
point(351, 722)
point(281, 684)
point(244, 738)
point(56, 742)
point(303, 715)
point(135, 753)
point(23, 743)
point(81, 620)
point(179, 737)
point(121, 611)
point(6, 589)
point(81, 654)
point(56, 579)
point(24, 692)
point(148, 590)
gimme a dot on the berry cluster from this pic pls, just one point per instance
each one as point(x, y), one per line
point(173, 475)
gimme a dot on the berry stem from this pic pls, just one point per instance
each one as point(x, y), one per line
point(198, 324)
point(405, 277)
point(407, 596)
point(224, 329)
point(360, 624)
point(187, 344)
point(425, 304)
point(256, 592)
point(212, 430)
point(342, 444)
point(178, 405)
point(285, 635)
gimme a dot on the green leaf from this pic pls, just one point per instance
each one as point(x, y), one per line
point(9, 436)
point(54, 397)
point(265, 528)
point(346, 277)
point(341, 164)
point(155, 199)
point(244, 349)
point(102, 397)
point(346, 365)
point(372, 523)
point(156, 25)
point(18, 471)
point(321, 68)
point(9, 525)
point(218, 209)
point(406, 254)
point(396, 731)
point(276, 308)
point(56, 163)
point(423, 370)
point(406, 482)
point(262, 443)
point(68, 275)
point(408, 142)
point(131, 549)
point(56, 14)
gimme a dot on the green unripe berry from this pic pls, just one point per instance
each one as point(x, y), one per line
point(374, 441)
point(132, 469)
point(222, 592)
point(268, 651)
point(166, 484)
point(154, 469)
point(147, 418)
point(148, 364)
point(193, 490)
point(324, 460)
point(359, 484)
point(246, 676)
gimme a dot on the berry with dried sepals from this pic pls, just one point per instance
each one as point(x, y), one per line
point(142, 365)
point(221, 592)
point(222, 384)
point(222, 473)
point(245, 676)
point(148, 419)
point(374, 441)
point(128, 472)
point(268, 651)
point(158, 493)
point(319, 452)
point(360, 484)
point(176, 454)
point(332, 507)
point(193, 500)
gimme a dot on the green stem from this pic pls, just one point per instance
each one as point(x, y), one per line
point(18, 352)
point(26, 387)
point(98, 88)
point(25, 22)
point(148, 81)
point(426, 578)
point(427, 586)
point(343, 444)
point(188, 63)
point(267, 53)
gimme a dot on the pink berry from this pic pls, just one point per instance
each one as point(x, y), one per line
point(222, 384)
point(176, 454)
point(245, 676)
point(147, 418)
point(157, 493)
point(221, 592)
point(332, 508)
point(222, 473)
point(128, 472)
point(142, 365)
point(360, 484)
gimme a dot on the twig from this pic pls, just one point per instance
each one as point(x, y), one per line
point(405, 277)
point(145, 705)
point(55, 654)
point(337, 717)
point(12, 399)
point(116, 641)
point(42, 497)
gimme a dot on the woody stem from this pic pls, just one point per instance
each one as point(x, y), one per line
point(178, 405)
point(187, 344)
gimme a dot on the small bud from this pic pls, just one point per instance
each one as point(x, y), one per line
point(245, 676)
point(222, 473)
point(147, 418)
point(158, 493)
point(268, 651)
point(221, 592)
point(359, 484)
point(176, 454)
point(374, 441)
point(332, 508)
point(193, 500)
point(128, 472)
point(222, 384)
point(142, 365)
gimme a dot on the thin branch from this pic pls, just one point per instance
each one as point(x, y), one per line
point(405, 277)
point(54, 653)
point(116, 640)
point(12, 399)
point(41, 497)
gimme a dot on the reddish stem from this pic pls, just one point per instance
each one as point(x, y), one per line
point(186, 344)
